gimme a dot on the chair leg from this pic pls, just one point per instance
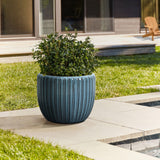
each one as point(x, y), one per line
point(152, 37)
point(148, 34)
point(146, 30)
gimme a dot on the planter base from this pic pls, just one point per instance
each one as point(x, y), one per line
point(66, 100)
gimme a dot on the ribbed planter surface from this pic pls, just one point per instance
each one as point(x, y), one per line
point(66, 99)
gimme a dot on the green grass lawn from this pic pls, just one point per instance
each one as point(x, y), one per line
point(125, 75)
point(14, 147)
point(18, 86)
point(116, 76)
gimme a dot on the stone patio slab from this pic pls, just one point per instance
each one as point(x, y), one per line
point(90, 130)
point(131, 116)
point(102, 151)
point(22, 112)
point(138, 98)
point(16, 59)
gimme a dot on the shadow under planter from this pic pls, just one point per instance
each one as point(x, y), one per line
point(66, 100)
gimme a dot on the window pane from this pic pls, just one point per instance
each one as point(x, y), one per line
point(99, 15)
point(16, 17)
point(72, 15)
point(148, 8)
point(47, 17)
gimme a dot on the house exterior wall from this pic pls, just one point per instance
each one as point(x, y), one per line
point(92, 15)
point(127, 14)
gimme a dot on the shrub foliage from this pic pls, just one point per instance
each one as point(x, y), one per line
point(64, 55)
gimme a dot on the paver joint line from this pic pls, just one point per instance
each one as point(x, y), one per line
point(117, 124)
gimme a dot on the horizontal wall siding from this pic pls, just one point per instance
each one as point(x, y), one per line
point(127, 15)
point(99, 16)
point(92, 15)
point(127, 25)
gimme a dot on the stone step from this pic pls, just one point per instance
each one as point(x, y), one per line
point(129, 49)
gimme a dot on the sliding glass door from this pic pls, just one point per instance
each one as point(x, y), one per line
point(87, 15)
point(16, 17)
point(99, 17)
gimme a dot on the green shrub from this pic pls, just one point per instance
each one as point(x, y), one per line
point(64, 55)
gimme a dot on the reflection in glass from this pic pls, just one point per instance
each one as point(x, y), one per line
point(72, 15)
point(99, 15)
point(47, 17)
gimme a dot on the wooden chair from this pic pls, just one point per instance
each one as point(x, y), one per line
point(152, 27)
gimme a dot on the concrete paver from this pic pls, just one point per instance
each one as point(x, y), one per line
point(17, 47)
point(138, 98)
point(16, 59)
point(102, 151)
point(23, 112)
point(152, 86)
point(90, 130)
point(109, 121)
point(124, 39)
point(133, 116)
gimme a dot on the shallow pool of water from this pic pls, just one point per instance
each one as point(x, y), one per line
point(149, 145)
point(155, 104)
point(152, 152)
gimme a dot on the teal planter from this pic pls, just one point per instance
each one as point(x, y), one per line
point(66, 100)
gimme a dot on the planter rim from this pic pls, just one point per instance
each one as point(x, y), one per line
point(67, 77)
